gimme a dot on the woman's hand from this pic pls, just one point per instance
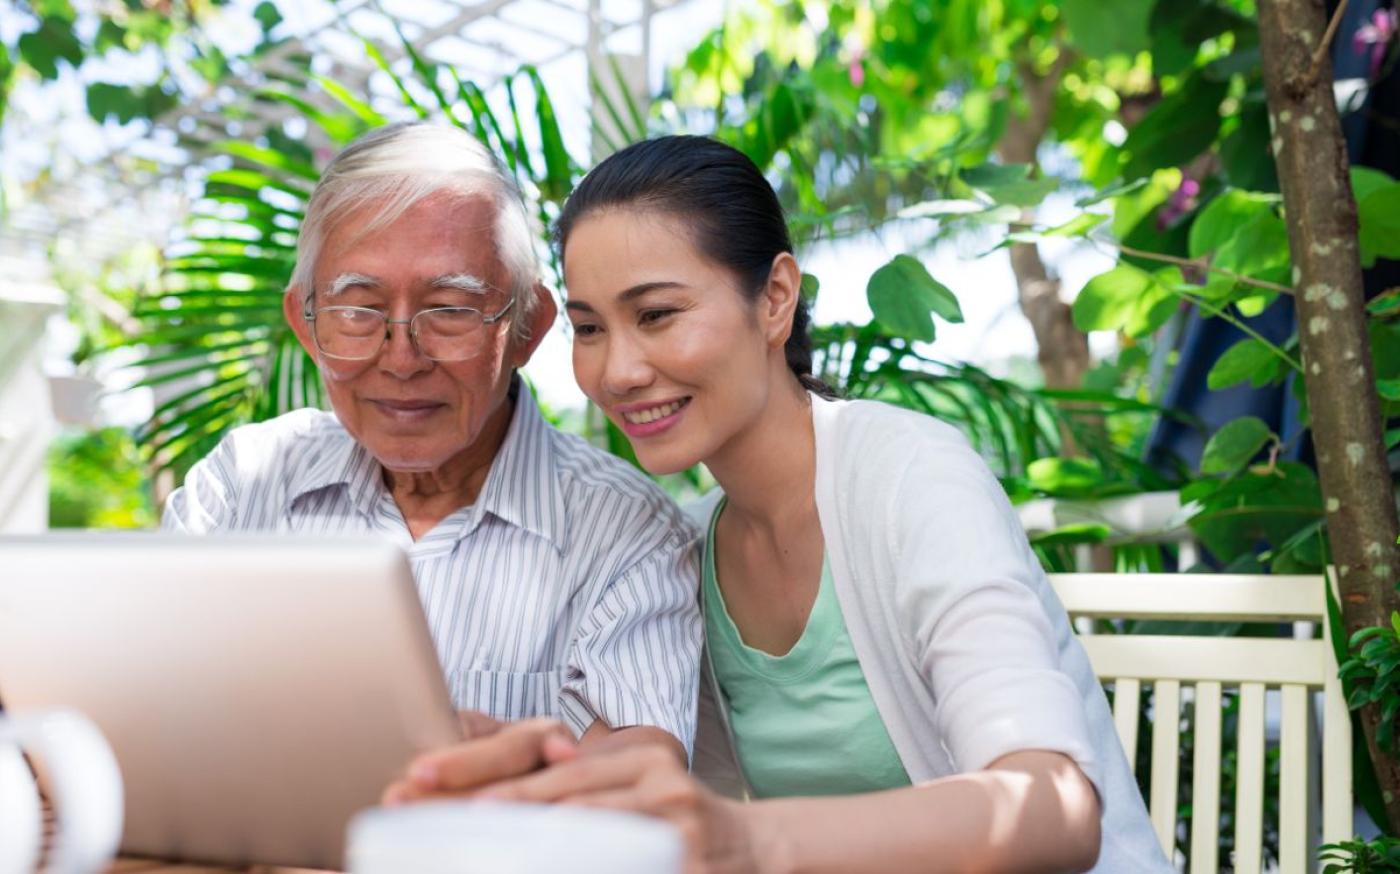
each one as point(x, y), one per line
point(493, 751)
point(720, 837)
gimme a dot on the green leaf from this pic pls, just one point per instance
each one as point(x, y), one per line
point(1223, 216)
point(1379, 214)
point(1365, 180)
point(1113, 191)
point(267, 15)
point(810, 286)
point(54, 41)
point(1073, 534)
point(1232, 447)
point(1241, 151)
point(1249, 359)
point(904, 296)
point(1259, 247)
point(1099, 32)
point(1009, 184)
point(1176, 130)
point(1384, 304)
point(1079, 226)
point(1065, 477)
point(1388, 389)
point(1108, 301)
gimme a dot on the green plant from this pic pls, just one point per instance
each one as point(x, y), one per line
point(97, 480)
point(1358, 856)
point(1373, 677)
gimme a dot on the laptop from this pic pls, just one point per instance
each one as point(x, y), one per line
point(257, 690)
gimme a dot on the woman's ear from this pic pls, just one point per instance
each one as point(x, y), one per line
point(780, 298)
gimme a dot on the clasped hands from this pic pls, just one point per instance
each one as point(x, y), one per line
point(539, 761)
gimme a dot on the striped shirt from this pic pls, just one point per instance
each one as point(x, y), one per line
point(567, 590)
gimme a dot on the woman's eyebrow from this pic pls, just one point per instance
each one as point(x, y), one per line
point(631, 294)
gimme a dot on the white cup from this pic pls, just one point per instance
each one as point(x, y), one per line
point(465, 837)
point(83, 782)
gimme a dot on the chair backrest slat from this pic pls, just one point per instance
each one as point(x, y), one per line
point(1126, 695)
point(1293, 781)
point(1166, 745)
point(1193, 659)
point(1206, 597)
point(1217, 667)
point(1205, 780)
point(1336, 757)
point(1249, 791)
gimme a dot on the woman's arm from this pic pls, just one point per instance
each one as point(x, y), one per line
point(1030, 811)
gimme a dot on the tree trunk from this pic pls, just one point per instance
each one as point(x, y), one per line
point(1062, 349)
point(1322, 234)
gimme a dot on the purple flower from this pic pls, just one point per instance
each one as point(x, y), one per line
point(1182, 201)
point(1375, 36)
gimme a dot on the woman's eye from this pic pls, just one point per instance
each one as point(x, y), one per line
point(648, 317)
point(585, 330)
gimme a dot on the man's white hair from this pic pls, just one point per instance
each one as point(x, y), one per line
point(393, 168)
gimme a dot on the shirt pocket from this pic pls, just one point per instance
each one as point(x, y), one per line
point(508, 695)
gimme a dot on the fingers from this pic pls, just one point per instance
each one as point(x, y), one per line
point(513, 750)
point(475, 724)
point(587, 774)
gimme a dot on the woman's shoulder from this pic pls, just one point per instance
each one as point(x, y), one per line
point(861, 430)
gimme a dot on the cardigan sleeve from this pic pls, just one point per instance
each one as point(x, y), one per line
point(979, 616)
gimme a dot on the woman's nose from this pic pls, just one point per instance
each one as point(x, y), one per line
point(627, 367)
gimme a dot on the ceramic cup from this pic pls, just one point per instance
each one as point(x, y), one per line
point(82, 780)
point(450, 837)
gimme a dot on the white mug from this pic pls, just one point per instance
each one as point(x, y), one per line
point(467, 837)
point(84, 785)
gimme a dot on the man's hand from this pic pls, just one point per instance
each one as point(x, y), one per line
point(506, 751)
point(475, 724)
point(648, 779)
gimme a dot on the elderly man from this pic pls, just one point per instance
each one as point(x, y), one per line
point(557, 581)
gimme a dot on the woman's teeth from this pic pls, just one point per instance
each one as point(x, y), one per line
point(642, 417)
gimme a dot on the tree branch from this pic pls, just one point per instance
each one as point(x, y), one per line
point(1320, 55)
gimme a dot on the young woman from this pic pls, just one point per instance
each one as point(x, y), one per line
point(894, 674)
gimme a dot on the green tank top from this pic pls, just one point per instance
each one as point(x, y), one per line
point(804, 722)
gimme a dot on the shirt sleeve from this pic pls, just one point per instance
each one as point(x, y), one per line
point(206, 502)
point(636, 657)
point(981, 619)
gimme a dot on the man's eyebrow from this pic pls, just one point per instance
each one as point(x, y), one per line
point(462, 282)
point(350, 280)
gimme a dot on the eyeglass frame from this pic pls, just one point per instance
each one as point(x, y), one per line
point(310, 315)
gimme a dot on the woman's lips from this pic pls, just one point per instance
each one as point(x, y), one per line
point(648, 420)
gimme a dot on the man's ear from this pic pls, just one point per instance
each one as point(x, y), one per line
point(780, 298)
point(540, 320)
point(294, 310)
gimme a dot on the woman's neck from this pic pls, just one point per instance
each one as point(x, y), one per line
point(768, 471)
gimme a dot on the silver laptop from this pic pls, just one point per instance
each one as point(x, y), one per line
point(257, 690)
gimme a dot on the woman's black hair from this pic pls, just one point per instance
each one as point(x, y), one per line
point(732, 212)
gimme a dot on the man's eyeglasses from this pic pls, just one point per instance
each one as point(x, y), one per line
point(441, 333)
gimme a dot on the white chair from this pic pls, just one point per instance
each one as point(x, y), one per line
point(1205, 666)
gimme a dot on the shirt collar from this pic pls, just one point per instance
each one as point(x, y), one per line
point(342, 461)
point(522, 487)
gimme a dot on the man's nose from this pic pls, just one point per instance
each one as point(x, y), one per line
point(400, 355)
point(627, 367)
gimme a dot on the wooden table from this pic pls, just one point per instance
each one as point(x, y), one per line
point(156, 866)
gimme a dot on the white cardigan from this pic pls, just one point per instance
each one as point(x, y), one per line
point(966, 648)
